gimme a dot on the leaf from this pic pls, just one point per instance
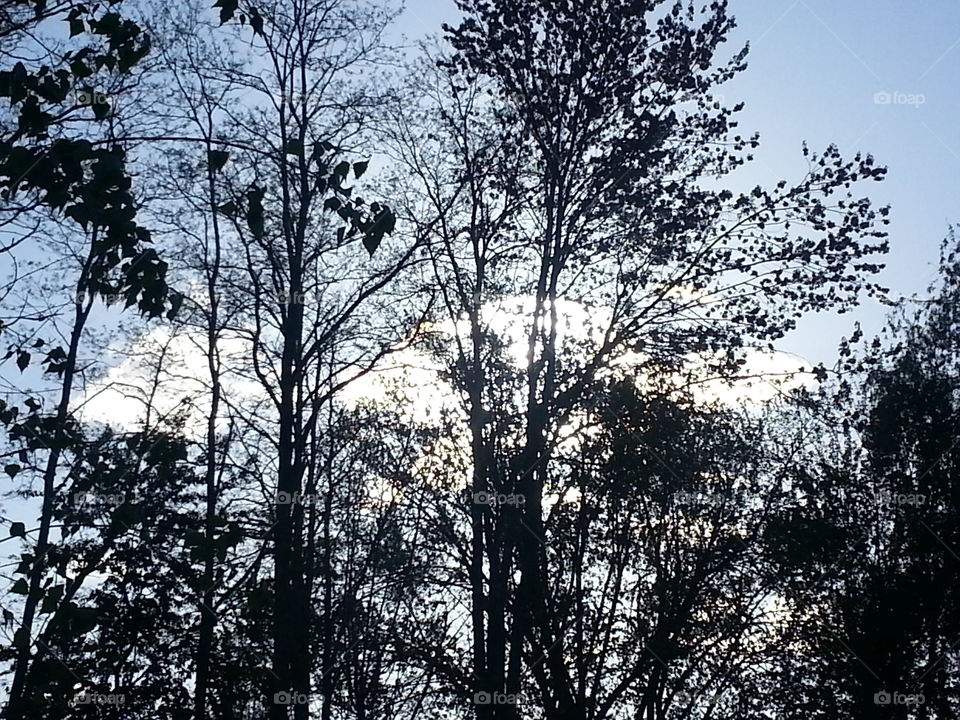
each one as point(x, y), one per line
point(256, 21)
point(359, 168)
point(101, 110)
point(20, 587)
point(18, 529)
point(176, 302)
point(227, 9)
point(332, 203)
point(76, 27)
point(80, 620)
point(216, 159)
point(255, 219)
point(228, 208)
point(12, 469)
point(23, 359)
point(342, 169)
point(51, 601)
point(293, 147)
point(383, 224)
point(371, 242)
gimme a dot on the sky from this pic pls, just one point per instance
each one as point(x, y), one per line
point(877, 76)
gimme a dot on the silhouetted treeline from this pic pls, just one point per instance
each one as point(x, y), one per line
point(349, 382)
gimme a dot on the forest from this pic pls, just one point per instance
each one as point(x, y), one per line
point(348, 379)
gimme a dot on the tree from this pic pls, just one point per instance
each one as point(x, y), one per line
point(588, 203)
point(48, 165)
point(869, 538)
point(278, 203)
point(450, 455)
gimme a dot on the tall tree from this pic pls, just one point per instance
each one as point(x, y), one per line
point(592, 145)
point(79, 176)
point(296, 232)
point(868, 541)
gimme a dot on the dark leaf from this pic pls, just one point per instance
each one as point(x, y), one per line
point(217, 159)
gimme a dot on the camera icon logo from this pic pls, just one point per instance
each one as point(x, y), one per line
point(882, 698)
point(497, 698)
point(882, 98)
point(483, 498)
point(482, 698)
point(286, 697)
point(90, 97)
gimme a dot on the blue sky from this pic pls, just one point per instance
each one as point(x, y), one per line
point(815, 69)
